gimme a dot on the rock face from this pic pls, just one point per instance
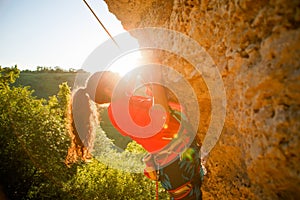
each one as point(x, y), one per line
point(256, 47)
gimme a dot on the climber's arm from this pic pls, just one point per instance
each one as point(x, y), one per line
point(158, 90)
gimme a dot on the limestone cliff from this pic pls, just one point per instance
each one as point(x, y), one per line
point(256, 46)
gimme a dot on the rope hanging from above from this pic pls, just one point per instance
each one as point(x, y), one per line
point(86, 3)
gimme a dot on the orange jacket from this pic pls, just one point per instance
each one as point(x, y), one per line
point(132, 117)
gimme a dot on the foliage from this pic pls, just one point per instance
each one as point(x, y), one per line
point(97, 181)
point(135, 148)
point(34, 143)
point(33, 140)
point(8, 76)
point(56, 69)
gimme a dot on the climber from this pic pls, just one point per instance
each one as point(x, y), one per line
point(150, 119)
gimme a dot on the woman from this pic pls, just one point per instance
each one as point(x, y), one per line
point(150, 120)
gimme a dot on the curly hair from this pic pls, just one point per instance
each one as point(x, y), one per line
point(84, 116)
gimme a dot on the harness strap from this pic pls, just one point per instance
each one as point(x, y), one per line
point(170, 153)
point(181, 191)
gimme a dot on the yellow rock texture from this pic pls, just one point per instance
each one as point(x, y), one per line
point(256, 47)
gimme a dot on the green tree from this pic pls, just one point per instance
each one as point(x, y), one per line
point(8, 75)
point(34, 143)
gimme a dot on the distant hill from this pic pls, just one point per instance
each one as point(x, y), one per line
point(46, 84)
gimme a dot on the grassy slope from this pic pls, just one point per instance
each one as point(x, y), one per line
point(45, 84)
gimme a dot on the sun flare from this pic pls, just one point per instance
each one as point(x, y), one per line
point(126, 63)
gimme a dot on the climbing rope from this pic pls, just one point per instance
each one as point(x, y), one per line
point(86, 3)
point(156, 189)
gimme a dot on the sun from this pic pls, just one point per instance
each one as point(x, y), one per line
point(126, 63)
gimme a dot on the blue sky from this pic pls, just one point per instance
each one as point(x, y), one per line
point(51, 32)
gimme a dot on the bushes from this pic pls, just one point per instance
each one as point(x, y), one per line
point(34, 143)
